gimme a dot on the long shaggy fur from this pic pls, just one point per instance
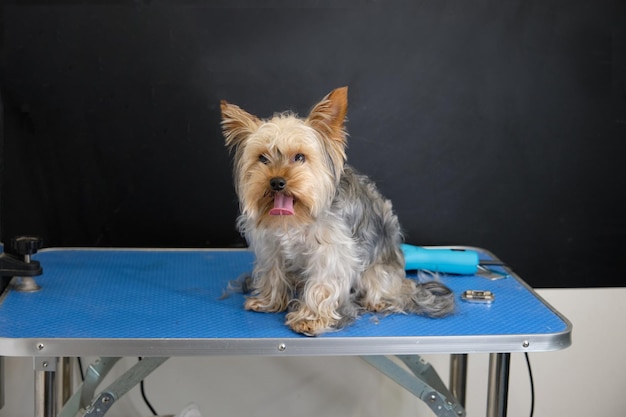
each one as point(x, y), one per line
point(334, 250)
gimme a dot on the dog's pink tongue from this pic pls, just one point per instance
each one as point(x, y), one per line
point(283, 205)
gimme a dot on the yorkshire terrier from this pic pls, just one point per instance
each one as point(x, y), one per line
point(326, 242)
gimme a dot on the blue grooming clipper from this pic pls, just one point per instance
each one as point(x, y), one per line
point(449, 261)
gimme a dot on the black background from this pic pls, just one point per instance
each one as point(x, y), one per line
point(498, 124)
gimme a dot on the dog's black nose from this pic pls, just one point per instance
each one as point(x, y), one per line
point(278, 183)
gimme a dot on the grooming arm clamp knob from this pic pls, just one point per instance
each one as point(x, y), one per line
point(17, 262)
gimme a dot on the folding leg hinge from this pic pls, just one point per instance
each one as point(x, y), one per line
point(101, 404)
point(84, 400)
point(422, 381)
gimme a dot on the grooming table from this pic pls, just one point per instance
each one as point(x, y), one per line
point(162, 303)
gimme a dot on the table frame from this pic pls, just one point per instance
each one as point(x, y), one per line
point(51, 353)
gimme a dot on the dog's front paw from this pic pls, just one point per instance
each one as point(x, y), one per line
point(309, 326)
point(264, 306)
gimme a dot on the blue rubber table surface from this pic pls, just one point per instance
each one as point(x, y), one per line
point(170, 302)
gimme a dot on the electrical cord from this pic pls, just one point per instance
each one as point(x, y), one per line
point(532, 385)
point(142, 388)
point(145, 398)
point(80, 369)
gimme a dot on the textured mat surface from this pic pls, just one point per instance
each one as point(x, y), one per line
point(157, 294)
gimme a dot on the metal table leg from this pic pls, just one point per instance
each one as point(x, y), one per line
point(498, 386)
point(64, 384)
point(1, 382)
point(45, 389)
point(458, 376)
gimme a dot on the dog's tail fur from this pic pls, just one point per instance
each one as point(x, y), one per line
point(431, 298)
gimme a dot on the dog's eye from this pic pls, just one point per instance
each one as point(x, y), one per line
point(263, 159)
point(299, 157)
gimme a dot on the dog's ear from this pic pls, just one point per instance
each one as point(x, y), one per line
point(328, 116)
point(237, 124)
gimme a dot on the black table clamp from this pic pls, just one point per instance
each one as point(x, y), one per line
point(16, 261)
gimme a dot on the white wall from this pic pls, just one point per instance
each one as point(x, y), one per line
point(589, 378)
